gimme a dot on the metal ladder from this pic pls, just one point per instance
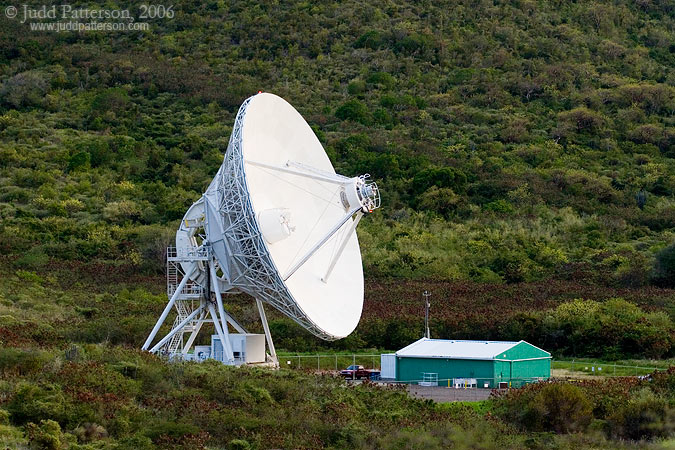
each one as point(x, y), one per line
point(176, 343)
point(185, 302)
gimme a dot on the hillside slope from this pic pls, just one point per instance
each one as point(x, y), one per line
point(526, 154)
point(511, 139)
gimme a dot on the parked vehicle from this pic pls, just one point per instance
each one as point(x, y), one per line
point(359, 372)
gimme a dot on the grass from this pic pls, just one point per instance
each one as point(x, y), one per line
point(624, 368)
point(480, 407)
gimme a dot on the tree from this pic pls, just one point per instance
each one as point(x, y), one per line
point(559, 407)
point(354, 110)
point(664, 267)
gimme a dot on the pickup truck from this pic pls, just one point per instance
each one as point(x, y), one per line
point(358, 372)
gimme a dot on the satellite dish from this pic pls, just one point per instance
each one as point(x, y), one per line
point(276, 223)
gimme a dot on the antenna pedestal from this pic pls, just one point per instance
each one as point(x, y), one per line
point(196, 305)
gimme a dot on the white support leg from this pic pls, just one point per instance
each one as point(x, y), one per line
point(193, 335)
point(235, 324)
point(168, 307)
point(221, 309)
point(219, 298)
point(268, 335)
point(227, 348)
point(180, 326)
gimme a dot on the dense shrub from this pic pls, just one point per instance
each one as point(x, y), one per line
point(79, 160)
point(18, 362)
point(623, 408)
point(562, 408)
point(442, 201)
point(33, 403)
point(610, 329)
point(645, 415)
point(193, 405)
point(46, 436)
point(444, 177)
point(353, 110)
point(664, 266)
point(581, 120)
point(558, 407)
point(25, 89)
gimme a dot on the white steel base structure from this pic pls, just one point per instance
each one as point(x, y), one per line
point(194, 308)
point(223, 244)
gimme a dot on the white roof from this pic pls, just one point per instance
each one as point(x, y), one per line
point(442, 348)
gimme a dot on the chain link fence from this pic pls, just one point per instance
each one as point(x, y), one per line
point(598, 368)
point(560, 368)
point(334, 362)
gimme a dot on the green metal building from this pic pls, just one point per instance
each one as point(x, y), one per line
point(479, 363)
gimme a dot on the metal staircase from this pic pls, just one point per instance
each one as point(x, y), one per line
point(183, 308)
point(189, 297)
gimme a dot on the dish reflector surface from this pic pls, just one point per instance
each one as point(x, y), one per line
point(275, 134)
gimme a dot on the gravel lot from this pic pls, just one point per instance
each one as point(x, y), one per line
point(445, 394)
point(441, 393)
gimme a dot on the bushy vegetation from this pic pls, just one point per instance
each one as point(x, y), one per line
point(106, 397)
point(511, 140)
point(90, 303)
point(558, 407)
point(525, 152)
point(624, 408)
point(114, 398)
point(612, 330)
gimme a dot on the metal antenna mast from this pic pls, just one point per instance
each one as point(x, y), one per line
point(426, 295)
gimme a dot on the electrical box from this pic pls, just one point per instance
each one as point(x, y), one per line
point(247, 348)
point(202, 352)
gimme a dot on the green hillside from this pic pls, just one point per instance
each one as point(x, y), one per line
point(510, 139)
point(526, 155)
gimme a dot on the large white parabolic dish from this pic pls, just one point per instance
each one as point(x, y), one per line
point(274, 133)
point(277, 223)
